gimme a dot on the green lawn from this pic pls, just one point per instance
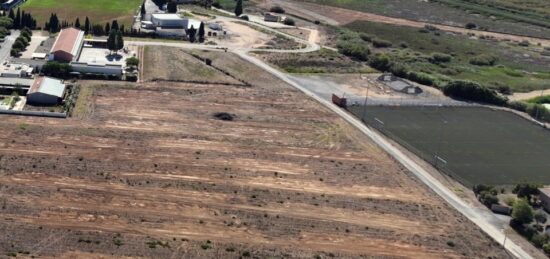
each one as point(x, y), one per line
point(99, 11)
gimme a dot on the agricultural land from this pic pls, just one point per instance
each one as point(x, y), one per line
point(208, 170)
point(529, 18)
point(98, 11)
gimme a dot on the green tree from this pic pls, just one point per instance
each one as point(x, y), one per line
point(201, 33)
point(522, 212)
point(56, 69)
point(87, 26)
point(119, 41)
point(172, 7)
point(540, 216)
point(77, 23)
point(239, 8)
point(192, 34)
point(132, 61)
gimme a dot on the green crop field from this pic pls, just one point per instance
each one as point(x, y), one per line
point(479, 145)
point(99, 11)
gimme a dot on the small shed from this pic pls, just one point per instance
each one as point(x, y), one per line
point(46, 91)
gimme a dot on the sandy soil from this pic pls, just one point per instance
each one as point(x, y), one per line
point(528, 95)
point(150, 172)
point(242, 36)
point(339, 16)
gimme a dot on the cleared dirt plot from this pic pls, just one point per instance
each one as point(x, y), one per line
point(173, 64)
point(476, 145)
point(151, 170)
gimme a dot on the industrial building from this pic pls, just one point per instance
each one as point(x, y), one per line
point(46, 91)
point(68, 45)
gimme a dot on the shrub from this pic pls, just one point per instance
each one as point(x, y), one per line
point(540, 216)
point(403, 45)
point(277, 9)
point(56, 69)
point(546, 248)
point(421, 78)
point(483, 60)
point(518, 106)
point(289, 22)
point(244, 17)
point(478, 188)
point(430, 27)
point(354, 49)
point(524, 43)
point(488, 198)
point(539, 112)
point(378, 43)
point(522, 212)
point(438, 58)
point(366, 37)
point(503, 89)
point(380, 61)
point(539, 240)
point(472, 91)
point(317, 22)
point(132, 61)
point(525, 190)
point(398, 69)
point(470, 26)
point(217, 5)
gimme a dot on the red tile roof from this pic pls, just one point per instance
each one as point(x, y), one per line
point(67, 39)
point(36, 85)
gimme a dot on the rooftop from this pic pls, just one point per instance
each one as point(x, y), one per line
point(47, 85)
point(545, 190)
point(68, 41)
point(166, 16)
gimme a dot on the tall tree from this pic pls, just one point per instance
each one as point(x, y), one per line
point(17, 21)
point(107, 28)
point(143, 11)
point(77, 23)
point(172, 7)
point(201, 33)
point(11, 15)
point(114, 25)
point(239, 8)
point(87, 25)
point(192, 34)
point(119, 41)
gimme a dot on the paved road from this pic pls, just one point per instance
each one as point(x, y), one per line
point(5, 47)
point(481, 217)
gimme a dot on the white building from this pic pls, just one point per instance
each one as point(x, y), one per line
point(168, 20)
point(46, 91)
point(97, 69)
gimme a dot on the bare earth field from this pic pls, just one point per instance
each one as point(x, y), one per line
point(148, 171)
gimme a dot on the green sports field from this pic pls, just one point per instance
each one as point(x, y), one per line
point(99, 11)
point(475, 145)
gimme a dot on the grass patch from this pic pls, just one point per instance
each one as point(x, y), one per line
point(479, 145)
point(99, 11)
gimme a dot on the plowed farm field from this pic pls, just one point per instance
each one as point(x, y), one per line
point(148, 171)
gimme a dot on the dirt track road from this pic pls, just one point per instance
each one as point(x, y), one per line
point(339, 16)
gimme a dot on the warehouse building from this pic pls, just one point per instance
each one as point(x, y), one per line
point(68, 45)
point(109, 70)
point(46, 91)
point(9, 4)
